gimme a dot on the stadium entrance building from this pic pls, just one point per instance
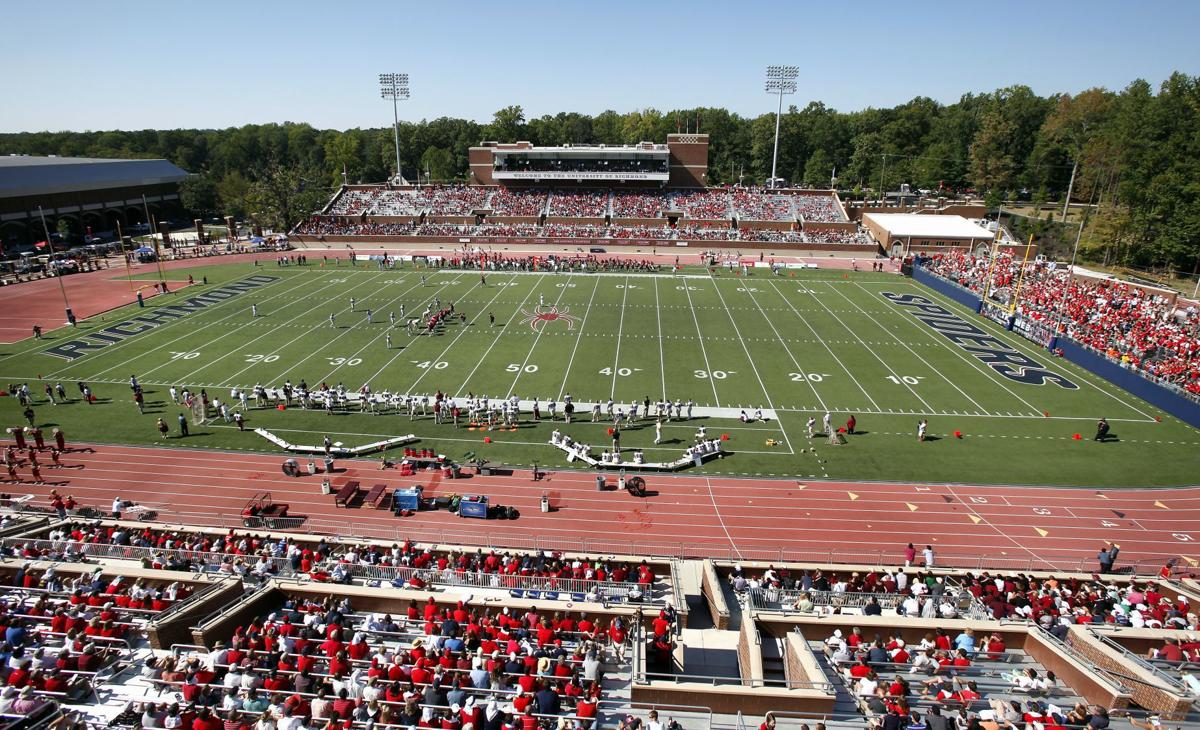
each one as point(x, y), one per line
point(92, 195)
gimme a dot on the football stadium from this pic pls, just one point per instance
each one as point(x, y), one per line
point(587, 436)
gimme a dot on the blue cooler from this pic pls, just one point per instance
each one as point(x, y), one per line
point(408, 499)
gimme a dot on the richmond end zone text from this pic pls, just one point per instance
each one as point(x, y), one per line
point(100, 339)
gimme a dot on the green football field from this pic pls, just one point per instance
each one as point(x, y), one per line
point(797, 346)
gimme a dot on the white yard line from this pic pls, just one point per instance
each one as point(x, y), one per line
point(662, 360)
point(463, 331)
point(512, 389)
point(306, 313)
point(703, 349)
point(190, 334)
point(369, 342)
point(620, 329)
point(992, 374)
point(795, 362)
point(578, 338)
point(494, 341)
point(824, 344)
point(875, 355)
point(750, 359)
point(914, 352)
point(1020, 344)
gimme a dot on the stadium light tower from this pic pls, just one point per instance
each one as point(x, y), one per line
point(780, 80)
point(394, 87)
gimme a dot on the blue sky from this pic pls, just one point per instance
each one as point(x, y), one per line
point(168, 64)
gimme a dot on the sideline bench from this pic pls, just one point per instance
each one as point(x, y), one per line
point(377, 496)
point(345, 494)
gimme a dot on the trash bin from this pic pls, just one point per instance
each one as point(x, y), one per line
point(312, 467)
point(290, 468)
point(326, 487)
point(599, 482)
point(545, 502)
point(329, 465)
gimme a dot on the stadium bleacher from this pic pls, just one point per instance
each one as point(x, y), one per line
point(1140, 331)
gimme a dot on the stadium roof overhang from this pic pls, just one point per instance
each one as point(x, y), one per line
point(22, 176)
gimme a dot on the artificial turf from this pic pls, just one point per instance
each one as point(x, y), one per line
point(801, 343)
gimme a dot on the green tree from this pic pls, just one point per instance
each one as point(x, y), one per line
point(437, 163)
point(508, 125)
point(280, 196)
point(198, 193)
point(233, 191)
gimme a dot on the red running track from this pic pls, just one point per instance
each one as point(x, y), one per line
point(996, 526)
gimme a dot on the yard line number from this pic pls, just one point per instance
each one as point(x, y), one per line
point(184, 355)
point(339, 361)
point(713, 375)
point(434, 364)
point(260, 358)
point(515, 368)
point(905, 379)
point(621, 372)
point(810, 377)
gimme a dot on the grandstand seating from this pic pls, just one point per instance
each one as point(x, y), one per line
point(1139, 330)
point(519, 202)
point(579, 203)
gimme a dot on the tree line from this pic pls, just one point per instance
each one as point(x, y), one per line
point(1133, 154)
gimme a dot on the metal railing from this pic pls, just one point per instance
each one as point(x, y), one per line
point(222, 564)
point(778, 599)
point(509, 539)
point(1172, 681)
point(198, 561)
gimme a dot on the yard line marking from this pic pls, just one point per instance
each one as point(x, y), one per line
point(1022, 345)
point(786, 349)
point(306, 313)
point(190, 334)
point(562, 290)
point(495, 339)
point(824, 344)
point(753, 367)
point(905, 345)
point(662, 361)
point(398, 352)
point(620, 329)
point(703, 350)
point(578, 338)
point(883, 362)
point(974, 362)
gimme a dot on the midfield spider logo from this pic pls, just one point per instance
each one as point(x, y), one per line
point(548, 313)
